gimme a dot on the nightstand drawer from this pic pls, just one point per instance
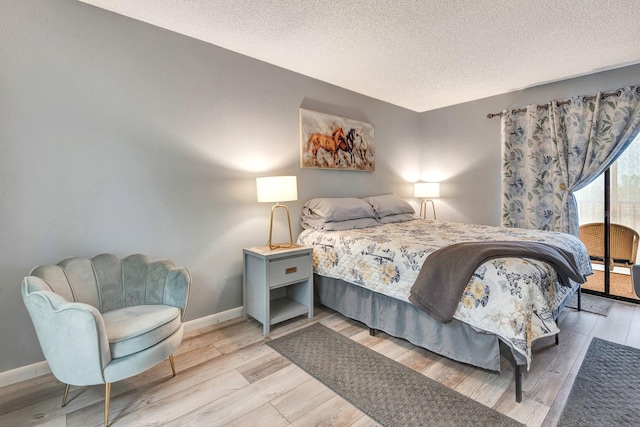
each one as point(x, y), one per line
point(288, 270)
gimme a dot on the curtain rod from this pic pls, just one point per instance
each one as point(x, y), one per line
point(567, 101)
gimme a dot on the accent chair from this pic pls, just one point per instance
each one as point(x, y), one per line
point(104, 319)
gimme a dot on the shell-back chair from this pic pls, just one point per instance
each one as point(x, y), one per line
point(105, 319)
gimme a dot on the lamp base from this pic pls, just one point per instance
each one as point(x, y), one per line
point(267, 250)
point(280, 245)
point(273, 246)
point(423, 208)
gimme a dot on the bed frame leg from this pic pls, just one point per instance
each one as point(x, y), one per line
point(579, 298)
point(506, 351)
point(558, 338)
point(372, 332)
point(518, 374)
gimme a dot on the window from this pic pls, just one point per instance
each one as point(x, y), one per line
point(625, 192)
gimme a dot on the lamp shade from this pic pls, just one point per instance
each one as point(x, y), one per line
point(426, 189)
point(277, 188)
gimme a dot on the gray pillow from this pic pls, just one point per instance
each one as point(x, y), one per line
point(337, 209)
point(388, 204)
point(403, 217)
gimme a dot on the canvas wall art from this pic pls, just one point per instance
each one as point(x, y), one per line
point(333, 142)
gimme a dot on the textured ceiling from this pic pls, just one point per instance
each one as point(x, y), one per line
point(418, 54)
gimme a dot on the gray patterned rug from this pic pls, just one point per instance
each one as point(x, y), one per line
point(606, 391)
point(591, 303)
point(387, 391)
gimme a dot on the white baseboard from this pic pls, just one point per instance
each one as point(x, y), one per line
point(213, 319)
point(24, 373)
point(28, 372)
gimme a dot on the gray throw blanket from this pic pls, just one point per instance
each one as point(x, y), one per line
point(447, 271)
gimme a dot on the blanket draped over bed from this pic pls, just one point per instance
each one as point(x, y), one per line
point(513, 298)
point(446, 272)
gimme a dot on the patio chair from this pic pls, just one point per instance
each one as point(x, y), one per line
point(623, 243)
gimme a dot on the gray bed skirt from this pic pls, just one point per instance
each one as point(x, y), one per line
point(455, 340)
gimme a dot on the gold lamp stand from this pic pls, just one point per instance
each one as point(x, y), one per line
point(423, 208)
point(426, 190)
point(280, 245)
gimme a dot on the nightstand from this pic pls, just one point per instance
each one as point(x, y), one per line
point(277, 284)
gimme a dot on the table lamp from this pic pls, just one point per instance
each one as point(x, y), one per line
point(278, 189)
point(426, 191)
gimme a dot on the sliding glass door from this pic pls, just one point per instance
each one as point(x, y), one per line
point(616, 192)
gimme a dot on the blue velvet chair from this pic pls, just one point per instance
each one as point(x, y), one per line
point(105, 319)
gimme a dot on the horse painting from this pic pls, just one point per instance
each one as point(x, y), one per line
point(332, 142)
point(337, 141)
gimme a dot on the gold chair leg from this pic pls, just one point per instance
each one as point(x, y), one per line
point(66, 393)
point(173, 366)
point(107, 393)
point(107, 399)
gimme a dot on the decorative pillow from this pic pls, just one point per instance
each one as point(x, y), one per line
point(403, 217)
point(388, 204)
point(337, 209)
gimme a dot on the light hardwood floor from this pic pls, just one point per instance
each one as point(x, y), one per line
point(228, 376)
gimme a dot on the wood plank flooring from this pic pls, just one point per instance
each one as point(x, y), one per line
point(227, 376)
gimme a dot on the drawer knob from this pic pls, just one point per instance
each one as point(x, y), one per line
point(290, 270)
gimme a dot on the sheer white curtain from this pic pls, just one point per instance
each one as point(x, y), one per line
point(548, 153)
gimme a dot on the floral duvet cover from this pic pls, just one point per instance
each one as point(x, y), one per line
point(513, 298)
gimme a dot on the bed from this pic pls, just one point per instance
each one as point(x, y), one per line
point(368, 253)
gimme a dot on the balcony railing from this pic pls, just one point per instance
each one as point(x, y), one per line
point(625, 213)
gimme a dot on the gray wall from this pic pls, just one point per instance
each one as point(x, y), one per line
point(117, 136)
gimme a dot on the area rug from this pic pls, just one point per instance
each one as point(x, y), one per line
point(606, 391)
point(389, 392)
point(591, 303)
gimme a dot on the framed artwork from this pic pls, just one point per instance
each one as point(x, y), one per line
point(333, 142)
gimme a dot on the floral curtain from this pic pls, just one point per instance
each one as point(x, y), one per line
point(550, 151)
